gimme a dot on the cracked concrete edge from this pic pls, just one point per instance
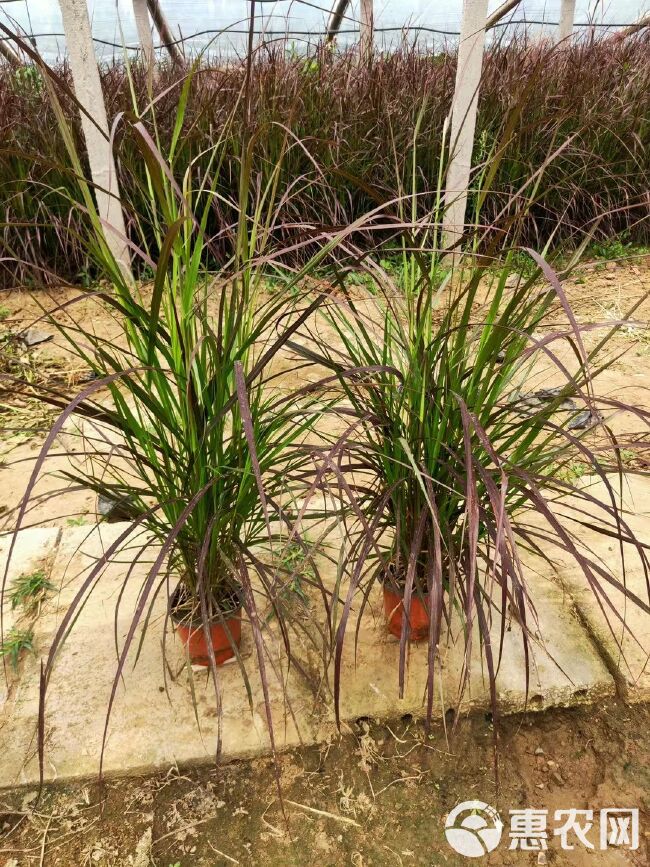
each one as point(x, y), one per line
point(629, 668)
point(600, 641)
point(25, 534)
point(600, 646)
point(323, 736)
point(323, 731)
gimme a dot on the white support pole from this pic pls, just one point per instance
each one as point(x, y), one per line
point(463, 117)
point(88, 90)
point(143, 25)
point(366, 30)
point(567, 16)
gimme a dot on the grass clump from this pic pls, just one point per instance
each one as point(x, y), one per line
point(467, 468)
point(588, 102)
point(210, 452)
point(17, 642)
point(30, 590)
point(618, 248)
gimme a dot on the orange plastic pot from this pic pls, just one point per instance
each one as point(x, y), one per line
point(224, 636)
point(193, 637)
point(418, 615)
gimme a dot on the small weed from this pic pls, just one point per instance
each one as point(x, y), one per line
point(277, 283)
point(30, 590)
point(391, 266)
point(15, 643)
point(616, 248)
point(571, 471)
point(359, 278)
point(4, 312)
point(293, 562)
point(85, 278)
point(10, 355)
point(632, 458)
point(612, 248)
point(76, 522)
point(522, 263)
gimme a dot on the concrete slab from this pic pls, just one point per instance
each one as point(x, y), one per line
point(54, 501)
point(154, 723)
point(624, 645)
point(564, 668)
point(34, 549)
point(161, 716)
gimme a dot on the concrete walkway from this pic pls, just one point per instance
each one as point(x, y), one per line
point(165, 714)
point(620, 630)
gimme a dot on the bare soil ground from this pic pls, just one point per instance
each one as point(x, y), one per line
point(383, 792)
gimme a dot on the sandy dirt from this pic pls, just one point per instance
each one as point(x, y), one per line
point(384, 792)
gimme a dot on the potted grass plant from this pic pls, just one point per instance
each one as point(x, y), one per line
point(457, 456)
point(202, 451)
point(184, 420)
point(459, 451)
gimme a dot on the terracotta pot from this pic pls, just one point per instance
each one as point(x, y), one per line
point(394, 611)
point(192, 634)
